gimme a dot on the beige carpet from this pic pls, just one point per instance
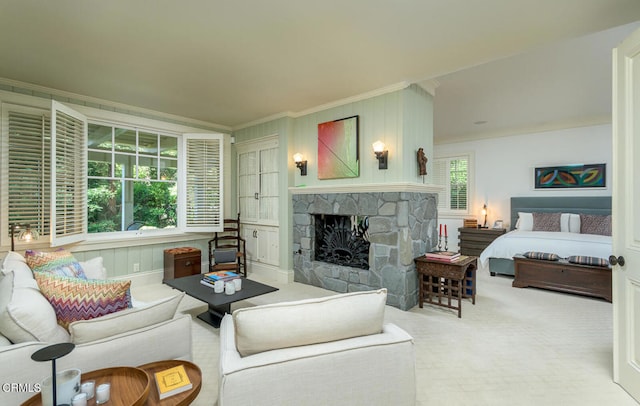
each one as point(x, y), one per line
point(514, 347)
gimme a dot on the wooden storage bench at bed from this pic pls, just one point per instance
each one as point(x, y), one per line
point(563, 276)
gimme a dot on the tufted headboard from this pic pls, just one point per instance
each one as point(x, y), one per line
point(561, 204)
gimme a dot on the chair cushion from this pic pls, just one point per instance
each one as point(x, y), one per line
point(25, 315)
point(311, 321)
point(83, 331)
point(60, 262)
point(224, 255)
point(80, 299)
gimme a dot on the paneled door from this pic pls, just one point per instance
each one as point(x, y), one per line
point(626, 215)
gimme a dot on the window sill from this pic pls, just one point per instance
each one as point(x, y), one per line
point(122, 240)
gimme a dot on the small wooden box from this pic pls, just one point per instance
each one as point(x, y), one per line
point(179, 262)
point(470, 223)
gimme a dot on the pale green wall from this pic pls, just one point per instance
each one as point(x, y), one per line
point(402, 119)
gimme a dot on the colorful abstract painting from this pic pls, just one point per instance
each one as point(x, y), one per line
point(570, 176)
point(338, 155)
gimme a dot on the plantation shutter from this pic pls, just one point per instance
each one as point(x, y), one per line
point(440, 176)
point(458, 180)
point(68, 175)
point(202, 200)
point(28, 146)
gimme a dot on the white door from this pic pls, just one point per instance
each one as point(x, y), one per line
point(626, 215)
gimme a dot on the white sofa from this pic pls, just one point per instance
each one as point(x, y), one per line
point(328, 351)
point(136, 336)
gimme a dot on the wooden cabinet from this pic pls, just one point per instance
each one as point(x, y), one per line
point(262, 243)
point(179, 262)
point(474, 240)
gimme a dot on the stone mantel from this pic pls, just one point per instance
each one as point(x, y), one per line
point(368, 188)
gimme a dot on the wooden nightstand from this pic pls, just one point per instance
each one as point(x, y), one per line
point(474, 240)
point(179, 262)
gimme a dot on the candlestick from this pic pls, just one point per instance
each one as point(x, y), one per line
point(446, 247)
point(439, 243)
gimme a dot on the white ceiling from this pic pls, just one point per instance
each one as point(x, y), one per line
point(234, 62)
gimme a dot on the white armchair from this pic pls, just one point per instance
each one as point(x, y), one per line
point(328, 351)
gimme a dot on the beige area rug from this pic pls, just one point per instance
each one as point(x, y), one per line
point(514, 347)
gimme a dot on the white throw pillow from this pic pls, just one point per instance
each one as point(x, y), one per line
point(94, 268)
point(311, 321)
point(570, 223)
point(83, 331)
point(23, 276)
point(525, 221)
point(25, 315)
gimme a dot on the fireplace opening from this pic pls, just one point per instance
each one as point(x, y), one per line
point(342, 240)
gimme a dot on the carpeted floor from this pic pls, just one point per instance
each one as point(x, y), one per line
point(514, 347)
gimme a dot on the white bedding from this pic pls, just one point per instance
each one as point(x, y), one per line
point(563, 244)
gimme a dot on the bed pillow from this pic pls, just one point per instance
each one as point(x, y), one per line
point(570, 223)
point(60, 262)
point(546, 222)
point(585, 260)
point(80, 299)
point(525, 221)
point(595, 224)
point(546, 256)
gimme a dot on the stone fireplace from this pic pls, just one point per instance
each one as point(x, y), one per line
point(397, 225)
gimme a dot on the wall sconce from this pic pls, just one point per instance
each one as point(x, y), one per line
point(300, 164)
point(381, 154)
point(484, 213)
point(25, 233)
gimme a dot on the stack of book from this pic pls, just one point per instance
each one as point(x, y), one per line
point(210, 278)
point(444, 256)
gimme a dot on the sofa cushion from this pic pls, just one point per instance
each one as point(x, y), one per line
point(23, 276)
point(80, 299)
point(83, 331)
point(311, 321)
point(60, 262)
point(94, 268)
point(25, 315)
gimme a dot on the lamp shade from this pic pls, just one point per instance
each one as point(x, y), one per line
point(297, 157)
point(378, 146)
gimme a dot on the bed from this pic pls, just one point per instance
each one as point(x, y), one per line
point(499, 254)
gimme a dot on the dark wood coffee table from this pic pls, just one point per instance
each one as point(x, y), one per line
point(219, 303)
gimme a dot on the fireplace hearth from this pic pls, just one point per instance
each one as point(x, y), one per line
point(392, 228)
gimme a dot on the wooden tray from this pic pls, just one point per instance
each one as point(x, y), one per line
point(129, 386)
point(183, 398)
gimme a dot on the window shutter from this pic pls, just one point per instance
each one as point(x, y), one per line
point(28, 145)
point(68, 175)
point(459, 183)
point(202, 200)
point(440, 177)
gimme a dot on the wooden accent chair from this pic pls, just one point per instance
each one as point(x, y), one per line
point(227, 249)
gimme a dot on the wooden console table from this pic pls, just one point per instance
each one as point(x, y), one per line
point(449, 280)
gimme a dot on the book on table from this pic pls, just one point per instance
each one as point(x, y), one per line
point(447, 256)
point(220, 276)
point(172, 381)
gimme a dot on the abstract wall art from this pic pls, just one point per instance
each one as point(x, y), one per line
point(570, 176)
point(338, 155)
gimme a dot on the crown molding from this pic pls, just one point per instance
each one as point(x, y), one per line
point(368, 188)
point(43, 91)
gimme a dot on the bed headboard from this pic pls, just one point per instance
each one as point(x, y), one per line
point(562, 204)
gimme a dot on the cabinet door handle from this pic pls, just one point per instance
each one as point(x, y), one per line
point(188, 263)
point(255, 233)
point(255, 195)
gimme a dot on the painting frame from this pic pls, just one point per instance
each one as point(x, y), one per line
point(339, 148)
point(575, 176)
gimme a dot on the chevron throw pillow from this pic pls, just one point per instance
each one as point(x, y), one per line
point(60, 262)
point(80, 299)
